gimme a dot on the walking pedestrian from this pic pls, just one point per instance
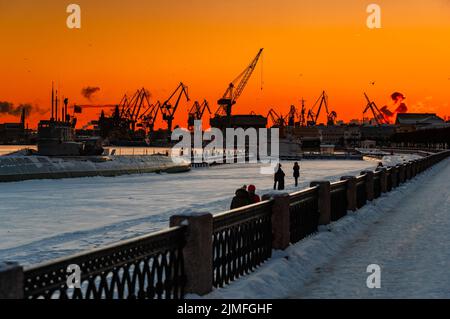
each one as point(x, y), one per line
point(279, 179)
point(296, 173)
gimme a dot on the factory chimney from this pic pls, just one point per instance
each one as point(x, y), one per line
point(56, 106)
point(53, 101)
point(66, 102)
point(22, 118)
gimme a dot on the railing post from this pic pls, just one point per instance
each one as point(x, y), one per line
point(394, 174)
point(197, 253)
point(408, 168)
point(351, 192)
point(369, 185)
point(383, 179)
point(413, 168)
point(11, 281)
point(401, 170)
point(281, 234)
point(324, 203)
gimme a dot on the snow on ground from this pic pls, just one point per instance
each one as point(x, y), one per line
point(405, 232)
point(44, 219)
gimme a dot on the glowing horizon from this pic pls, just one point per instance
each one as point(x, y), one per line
point(308, 48)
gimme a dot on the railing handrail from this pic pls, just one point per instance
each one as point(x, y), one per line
point(106, 249)
point(305, 193)
point(240, 215)
point(338, 185)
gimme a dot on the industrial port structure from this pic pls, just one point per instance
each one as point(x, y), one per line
point(132, 121)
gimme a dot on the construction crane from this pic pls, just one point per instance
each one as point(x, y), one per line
point(277, 120)
point(235, 89)
point(196, 113)
point(168, 110)
point(377, 114)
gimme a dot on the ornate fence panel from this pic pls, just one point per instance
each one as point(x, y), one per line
point(147, 267)
point(361, 194)
point(389, 179)
point(242, 240)
point(304, 213)
point(339, 202)
point(377, 184)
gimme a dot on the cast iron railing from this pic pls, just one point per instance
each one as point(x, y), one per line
point(148, 267)
point(377, 184)
point(361, 193)
point(389, 179)
point(242, 240)
point(304, 213)
point(339, 204)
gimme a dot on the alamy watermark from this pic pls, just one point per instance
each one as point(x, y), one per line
point(374, 19)
point(374, 279)
point(74, 19)
point(237, 146)
point(73, 276)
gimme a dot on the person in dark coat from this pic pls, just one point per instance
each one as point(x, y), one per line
point(279, 179)
point(296, 173)
point(254, 198)
point(240, 199)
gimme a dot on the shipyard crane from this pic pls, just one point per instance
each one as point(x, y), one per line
point(377, 114)
point(277, 120)
point(313, 116)
point(303, 114)
point(136, 107)
point(235, 89)
point(168, 110)
point(196, 112)
point(331, 118)
point(148, 118)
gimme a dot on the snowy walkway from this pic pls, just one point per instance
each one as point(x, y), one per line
point(406, 232)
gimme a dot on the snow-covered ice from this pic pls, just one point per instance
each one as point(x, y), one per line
point(405, 232)
point(44, 219)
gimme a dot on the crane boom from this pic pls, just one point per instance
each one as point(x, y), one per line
point(236, 87)
point(377, 114)
point(167, 110)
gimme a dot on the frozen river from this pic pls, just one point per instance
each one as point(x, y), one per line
point(44, 219)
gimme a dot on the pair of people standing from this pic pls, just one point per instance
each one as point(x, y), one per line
point(245, 196)
point(279, 176)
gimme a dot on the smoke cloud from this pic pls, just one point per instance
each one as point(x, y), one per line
point(398, 99)
point(89, 91)
point(10, 109)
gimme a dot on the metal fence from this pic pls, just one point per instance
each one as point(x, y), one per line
point(361, 194)
point(339, 204)
point(303, 214)
point(389, 179)
point(242, 240)
point(377, 184)
point(147, 267)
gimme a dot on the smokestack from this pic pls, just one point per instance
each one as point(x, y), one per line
point(22, 118)
point(66, 102)
point(53, 101)
point(56, 106)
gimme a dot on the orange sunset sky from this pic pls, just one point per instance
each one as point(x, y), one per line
point(309, 46)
